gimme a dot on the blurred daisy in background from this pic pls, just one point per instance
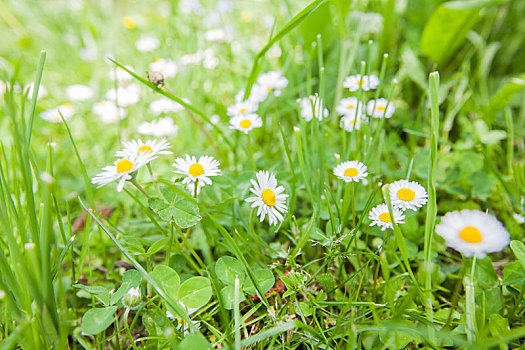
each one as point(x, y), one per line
point(350, 123)
point(209, 61)
point(351, 170)
point(191, 6)
point(53, 115)
point(257, 95)
point(158, 128)
point(219, 35)
point(128, 22)
point(167, 68)
point(473, 232)
point(242, 108)
point(165, 105)
point(407, 195)
point(273, 81)
point(124, 96)
point(380, 108)
point(354, 82)
point(311, 106)
point(138, 147)
point(3, 87)
point(42, 91)
point(79, 92)
point(197, 170)
point(108, 111)
point(381, 217)
point(191, 58)
point(121, 75)
point(269, 199)
point(147, 43)
point(349, 107)
point(246, 123)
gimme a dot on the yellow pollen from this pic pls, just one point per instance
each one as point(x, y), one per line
point(470, 234)
point(243, 110)
point(268, 89)
point(67, 104)
point(381, 108)
point(144, 149)
point(245, 124)
point(350, 106)
point(128, 22)
point(385, 217)
point(406, 194)
point(351, 172)
point(268, 197)
point(124, 165)
point(196, 170)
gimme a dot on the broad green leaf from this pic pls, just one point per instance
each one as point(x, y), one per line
point(473, 4)
point(228, 297)
point(157, 246)
point(97, 320)
point(513, 273)
point(194, 341)
point(167, 279)
point(175, 207)
point(264, 278)
point(519, 250)
point(195, 292)
point(130, 279)
point(100, 292)
point(227, 268)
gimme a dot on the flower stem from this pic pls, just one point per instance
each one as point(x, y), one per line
point(139, 187)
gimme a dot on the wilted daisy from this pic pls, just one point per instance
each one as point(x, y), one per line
point(158, 128)
point(121, 170)
point(312, 105)
point(349, 106)
point(269, 199)
point(42, 91)
point(349, 122)
point(165, 105)
point(167, 68)
point(242, 108)
point(194, 170)
point(246, 123)
point(53, 115)
point(138, 147)
point(473, 232)
point(366, 83)
point(147, 43)
point(380, 107)
point(381, 217)
point(79, 92)
point(124, 95)
point(407, 195)
point(351, 170)
point(108, 111)
point(273, 81)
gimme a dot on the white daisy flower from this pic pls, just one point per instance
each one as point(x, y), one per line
point(353, 82)
point(209, 60)
point(137, 147)
point(242, 108)
point(191, 58)
point(214, 119)
point(307, 111)
point(224, 6)
point(120, 74)
point(87, 54)
point(181, 324)
point(79, 92)
point(219, 35)
point(349, 107)
point(473, 232)
point(351, 170)
point(273, 81)
point(268, 197)
point(158, 128)
point(3, 87)
point(195, 170)
point(349, 123)
point(165, 105)
point(124, 95)
point(407, 195)
point(257, 94)
point(381, 217)
point(42, 91)
point(147, 43)
point(519, 218)
point(53, 115)
point(380, 107)
point(121, 170)
point(108, 111)
point(191, 6)
point(167, 68)
point(246, 122)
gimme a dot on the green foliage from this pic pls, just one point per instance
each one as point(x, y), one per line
point(173, 206)
point(97, 320)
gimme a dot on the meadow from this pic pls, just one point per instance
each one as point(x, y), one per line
point(199, 174)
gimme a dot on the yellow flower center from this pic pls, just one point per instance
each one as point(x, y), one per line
point(245, 124)
point(128, 22)
point(124, 165)
point(381, 108)
point(268, 197)
point(144, 149)
point(351, 172)
point(350, 106)
point(243, 110)
point(182, 322)
point(470, 234)
point(385, 217)
point(406, 194)
point(268, 89)
point(196, 170)
point(359, 82)
point(67, 104)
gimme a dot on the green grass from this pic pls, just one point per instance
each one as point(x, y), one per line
point(455, 73)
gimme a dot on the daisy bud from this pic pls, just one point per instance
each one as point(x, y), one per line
point(132, 298)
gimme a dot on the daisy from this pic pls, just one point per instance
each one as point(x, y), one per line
point(191, 58)
point(182, 325)
point(246, 122)
point(242, 108)
point(308, 112)
point(219, 35)
point(273, 81)
point(53, 115)
point(79, 92)
point(158, 128)
point(351, 170)
point(381, 217)
point(209, 60)
point(42, 91)
point(195, 170)
point(349, 107)
point(407, 195)
point(353, 82)
point(108, 111)
point(349, 123)
point(268, 197)
point(121, 75)
point(121, 170)
point(473, 232)
point(379, 108)
point(124, 95)
point(167, 68)
point(138, 147)
point(3, 87)
point(147, 43)
point(165, 105)
point(257, 94)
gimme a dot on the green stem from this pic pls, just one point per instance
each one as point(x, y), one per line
point(471, 304)
point(139, 187)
